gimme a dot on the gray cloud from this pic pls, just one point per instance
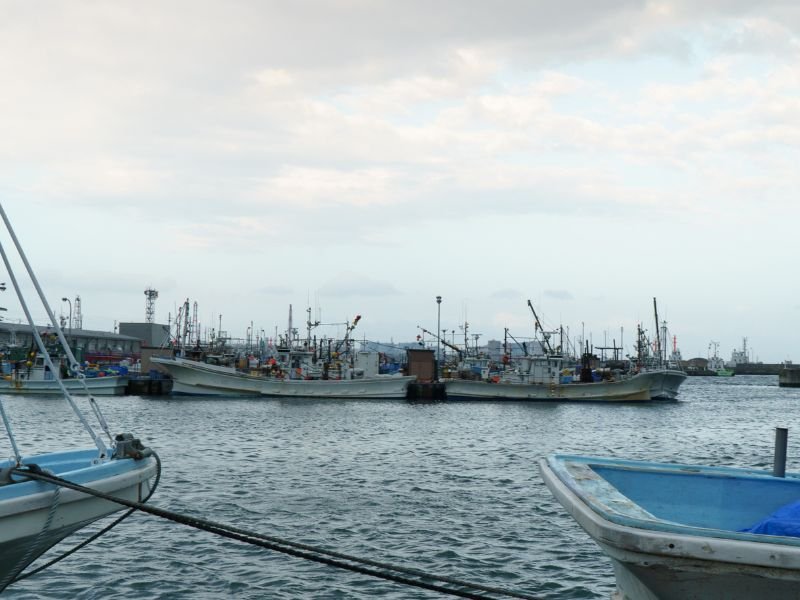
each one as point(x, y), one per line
point(558, 294)
point(506, 294)
point(349, 284)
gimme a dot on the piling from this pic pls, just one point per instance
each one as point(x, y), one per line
point(148, 386)
point(428, 390)
point(781, 436)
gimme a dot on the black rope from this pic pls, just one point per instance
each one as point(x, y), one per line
point(334, 559)
point(93, 537)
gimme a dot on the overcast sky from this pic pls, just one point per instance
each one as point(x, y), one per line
point(364, 157)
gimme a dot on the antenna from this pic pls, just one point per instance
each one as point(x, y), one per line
point(77, 318)
point(150, 305)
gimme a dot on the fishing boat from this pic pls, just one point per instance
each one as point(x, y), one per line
point(548, 374)
point(715, 363)
point(296, 368)
point(34, 376)
point(676, 531)
point(34, 516)
point(196, 378)
point(543, 377)
point(665, 383)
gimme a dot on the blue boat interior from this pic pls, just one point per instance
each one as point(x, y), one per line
point(709, 500)
point(78, 466)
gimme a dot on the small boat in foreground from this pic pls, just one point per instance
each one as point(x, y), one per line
point(675, 532)
point(34, 515)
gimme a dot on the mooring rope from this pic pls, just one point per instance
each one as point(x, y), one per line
point(312, 553)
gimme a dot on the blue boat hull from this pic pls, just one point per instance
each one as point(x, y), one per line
point(33, 517)
point(672, 531)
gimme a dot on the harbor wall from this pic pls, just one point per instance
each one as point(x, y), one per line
point(789, 377)
point(759, 368)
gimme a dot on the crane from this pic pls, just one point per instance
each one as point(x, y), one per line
point(444, 342)
point(538, 327)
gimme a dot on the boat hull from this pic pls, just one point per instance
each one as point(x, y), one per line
point(196, 378)
point(98, 386)
point(26, 505)
point(665, 383)
point(635, 389)
point(383, 386)
point(678, 562)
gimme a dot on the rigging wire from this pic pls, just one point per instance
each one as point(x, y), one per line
point(104, 451)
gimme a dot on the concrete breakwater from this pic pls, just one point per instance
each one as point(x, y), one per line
point(759, 368)
point(789, 377)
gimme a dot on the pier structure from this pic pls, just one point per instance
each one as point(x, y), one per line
point(789, 376)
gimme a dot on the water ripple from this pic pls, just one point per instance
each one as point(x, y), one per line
point(449, 488)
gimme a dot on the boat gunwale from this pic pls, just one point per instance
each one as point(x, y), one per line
point(102, 476)
point(667, 538)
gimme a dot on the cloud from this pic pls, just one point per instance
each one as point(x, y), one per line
point(350, 284)
point(506, 294)
point(275, 290)
point(558, 294)
point(315, 137)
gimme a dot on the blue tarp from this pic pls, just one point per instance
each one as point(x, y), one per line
point(784, 521)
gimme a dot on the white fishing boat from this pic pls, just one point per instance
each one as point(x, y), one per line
point(35, 515)
point(293, 378)
point(310, 368)
point(665, 383)
point(666, 374)
point(675, 532)
point(35, 377)
point(543, 378)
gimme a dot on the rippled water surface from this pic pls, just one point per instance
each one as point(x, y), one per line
point(449, 488)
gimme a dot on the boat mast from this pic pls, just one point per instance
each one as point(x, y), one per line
point(658, 333)
point(289, 330)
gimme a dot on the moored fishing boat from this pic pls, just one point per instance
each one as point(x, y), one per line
point(35, 377)
point(542, 378)
point(34, 516)
point(676, 531)
point(664, 383)
point(196, 378)
point(666, 374)
point(715, 363)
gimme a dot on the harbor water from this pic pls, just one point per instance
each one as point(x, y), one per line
point(450, 488)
